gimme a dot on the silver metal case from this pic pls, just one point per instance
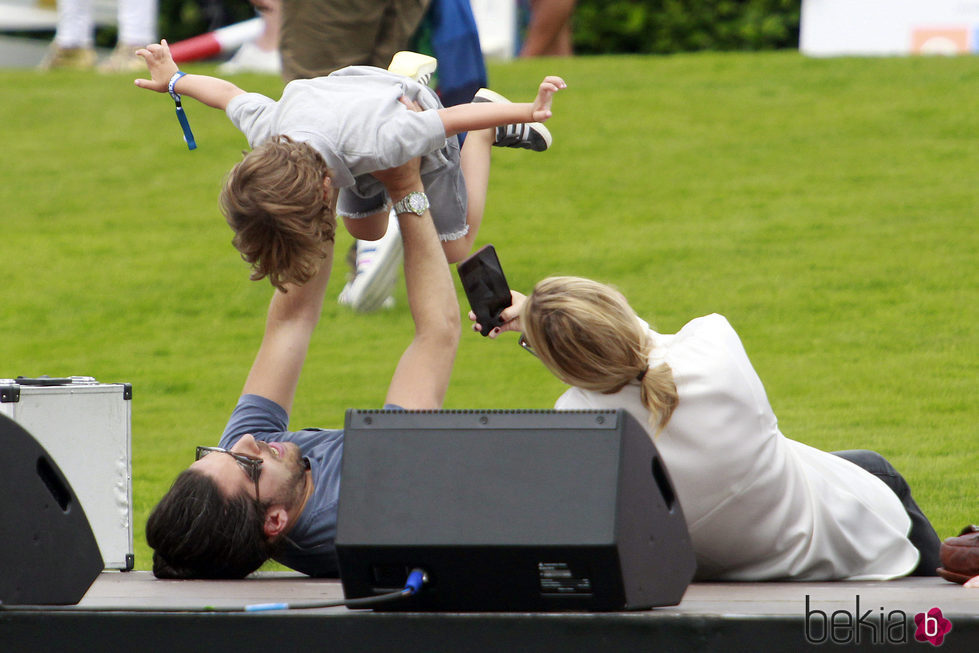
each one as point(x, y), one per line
point(85, 426)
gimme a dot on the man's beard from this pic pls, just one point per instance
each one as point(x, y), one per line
point(296, 485)
point(294, 488)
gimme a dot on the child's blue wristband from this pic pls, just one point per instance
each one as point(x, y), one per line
point(181, 116)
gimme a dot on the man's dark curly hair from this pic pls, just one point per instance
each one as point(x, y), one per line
point(198, 532)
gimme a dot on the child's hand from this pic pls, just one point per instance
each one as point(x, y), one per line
point(411, 104)
point(542, 103)
point(161, 66)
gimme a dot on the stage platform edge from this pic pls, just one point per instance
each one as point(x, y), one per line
point(711, 617)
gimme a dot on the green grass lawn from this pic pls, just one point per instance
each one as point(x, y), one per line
point(827, 207)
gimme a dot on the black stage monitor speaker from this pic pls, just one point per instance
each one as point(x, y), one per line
point(48, 554)
point(509, 510)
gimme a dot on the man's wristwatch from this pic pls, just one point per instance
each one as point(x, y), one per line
point(415, 202)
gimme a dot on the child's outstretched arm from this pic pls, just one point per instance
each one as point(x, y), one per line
point(482, 115)
point(211, 91)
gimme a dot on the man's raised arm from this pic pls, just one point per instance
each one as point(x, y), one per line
point(421, 378)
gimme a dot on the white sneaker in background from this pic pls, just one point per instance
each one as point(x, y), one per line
point(251, 59)
point(377, 266)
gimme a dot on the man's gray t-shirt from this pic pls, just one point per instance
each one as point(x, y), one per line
point(309, 546)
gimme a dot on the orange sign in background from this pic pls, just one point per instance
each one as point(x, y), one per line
point(931, 40)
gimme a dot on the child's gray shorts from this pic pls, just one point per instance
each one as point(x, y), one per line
point(445, 187)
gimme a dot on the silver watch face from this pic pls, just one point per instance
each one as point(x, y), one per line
point(415, 202)
point(418, 202)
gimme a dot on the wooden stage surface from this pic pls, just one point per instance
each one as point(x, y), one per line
point(132, 611)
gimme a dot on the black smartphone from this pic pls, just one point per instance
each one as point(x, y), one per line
point(486, 287)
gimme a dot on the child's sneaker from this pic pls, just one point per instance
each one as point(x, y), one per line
point(376, 271)
point(528, 135)
point(419, 67)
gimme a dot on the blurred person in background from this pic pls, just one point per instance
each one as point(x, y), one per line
point(74, 40)
point(260, 55)
point(549, 31)
point(318, 37)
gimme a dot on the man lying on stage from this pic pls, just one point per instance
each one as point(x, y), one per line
point(267, 492)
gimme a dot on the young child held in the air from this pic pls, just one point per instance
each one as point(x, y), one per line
point(314, 149)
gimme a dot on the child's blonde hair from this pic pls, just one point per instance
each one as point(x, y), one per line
point(275, 202)
point(586, 333)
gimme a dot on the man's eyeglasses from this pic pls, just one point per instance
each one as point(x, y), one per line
point(251, 464)
point(526, 346)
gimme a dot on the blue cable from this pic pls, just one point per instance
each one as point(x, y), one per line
point(416, 579)
point(261, 607)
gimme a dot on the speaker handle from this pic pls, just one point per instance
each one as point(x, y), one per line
point(42, 380)
point(663, 483)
